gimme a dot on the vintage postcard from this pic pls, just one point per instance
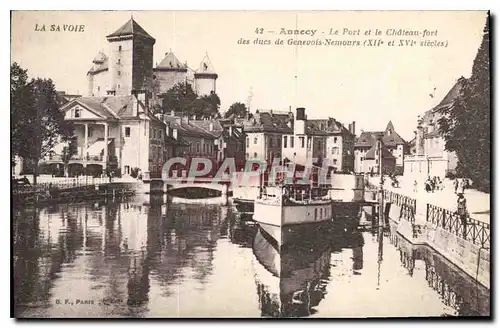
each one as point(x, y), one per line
point(250, 164)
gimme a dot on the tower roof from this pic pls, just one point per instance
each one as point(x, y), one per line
point(99, 58)
point(131, 28)
point(390, 127)
point(170, 61)
point(206, 66)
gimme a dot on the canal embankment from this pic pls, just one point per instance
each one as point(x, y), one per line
point(465, 243)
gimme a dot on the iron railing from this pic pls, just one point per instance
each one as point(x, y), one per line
point(407, 204)
point(471, 230)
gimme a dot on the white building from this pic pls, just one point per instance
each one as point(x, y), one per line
point(428, 155)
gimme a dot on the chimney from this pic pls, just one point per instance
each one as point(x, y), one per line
point(301, 116)
point(353, 127)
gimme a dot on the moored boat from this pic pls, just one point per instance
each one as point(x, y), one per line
point(292, 212)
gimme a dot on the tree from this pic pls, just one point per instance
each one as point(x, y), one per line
point(39, 124)
point(212, 104)
point(466, 125)
point(239, 110)
point(178, 97)
point(182, 98)
point(21, 101)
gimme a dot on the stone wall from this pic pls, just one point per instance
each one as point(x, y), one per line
point(472, 259)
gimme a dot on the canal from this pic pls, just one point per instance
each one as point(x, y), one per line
point(137, 259)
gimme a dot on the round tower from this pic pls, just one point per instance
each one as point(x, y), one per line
point(205, 78)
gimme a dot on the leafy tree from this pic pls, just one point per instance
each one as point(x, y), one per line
point(466, 125)
point(213, 103)
point(21, 102)
point(237, 109)
point(178, 97)
point(181, 97)
point(38, 123)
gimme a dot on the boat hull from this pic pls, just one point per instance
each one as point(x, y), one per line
point(244, 205)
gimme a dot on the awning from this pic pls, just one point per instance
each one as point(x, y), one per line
point(97, 147)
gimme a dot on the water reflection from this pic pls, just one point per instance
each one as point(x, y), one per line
point(292, 282)
point(147, 257)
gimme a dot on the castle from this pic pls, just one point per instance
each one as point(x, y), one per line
point(129, 67)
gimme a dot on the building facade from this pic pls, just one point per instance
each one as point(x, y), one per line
point(339, 151)
point(428, 155)
point(116, 133)
point(365, 145)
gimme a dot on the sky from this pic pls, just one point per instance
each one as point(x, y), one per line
point(368, 85)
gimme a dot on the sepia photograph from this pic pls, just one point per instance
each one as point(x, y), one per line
point(250, 164)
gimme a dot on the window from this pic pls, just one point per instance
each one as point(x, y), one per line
point(315, 213)
point(127, 131)
point(248, 142)
point(119, 61)
point(254, 155)
point(246, 156)
point(285, 141)
point(292, 139)
point(198, 147)
point(89, 132)
point(278, 139)
point(302, 142)
point(118, 86)
point(77, 112)
point(334, 161)
point(98, 88)
point(335, 150)
point(335, 140)
point(119, 48)
point(270, 142)
point(119, 73)
point(255, 140)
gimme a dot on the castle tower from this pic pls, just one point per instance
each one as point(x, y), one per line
point(97, 76)
point(130, 59)
point(205, 78)
point(169, 72)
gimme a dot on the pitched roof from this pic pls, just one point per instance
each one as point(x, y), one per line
point(431, 117)
point(206, 66)
point(267, 121)
point(187, 128)
point(100, 63)
point(389, 137)
point(170, 61)
point(385, 153)
point(112, 107)
point(452, 94)
point(131, 27)
point(330, 125)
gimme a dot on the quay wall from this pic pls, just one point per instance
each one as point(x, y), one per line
point(472, 259)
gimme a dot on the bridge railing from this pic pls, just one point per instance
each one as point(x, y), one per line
point(473, 231)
